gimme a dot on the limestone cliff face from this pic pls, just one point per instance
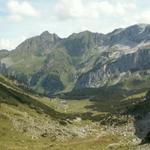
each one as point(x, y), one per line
point(137, 61)
point(82, 60)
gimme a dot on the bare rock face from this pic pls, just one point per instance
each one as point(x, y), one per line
point(129, 36)
point(82, 60)
point(139, 60)
point(128, 51)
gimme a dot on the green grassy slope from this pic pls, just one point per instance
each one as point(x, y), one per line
point(29, 121)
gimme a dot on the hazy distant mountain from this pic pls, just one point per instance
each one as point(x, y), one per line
point(50, 64)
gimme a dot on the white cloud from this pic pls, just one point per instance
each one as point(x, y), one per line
point(144, 16)
point(68, 9)
point(10, 44)
point(19, 9)
point(136, 17)
point(101, 15)
point(16, 18)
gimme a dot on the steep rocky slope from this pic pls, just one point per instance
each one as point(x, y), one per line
point(49, 64)
point(113, 72)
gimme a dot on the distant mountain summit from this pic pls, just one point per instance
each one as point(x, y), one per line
point(49, 64)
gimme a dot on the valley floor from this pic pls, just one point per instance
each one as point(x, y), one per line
point(22, 128)
point(29, 122)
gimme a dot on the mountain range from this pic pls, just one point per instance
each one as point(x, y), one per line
point(49, 65)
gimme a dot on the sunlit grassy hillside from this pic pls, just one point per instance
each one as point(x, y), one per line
point(28, 121)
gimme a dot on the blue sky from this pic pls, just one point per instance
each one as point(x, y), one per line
point(21, 19)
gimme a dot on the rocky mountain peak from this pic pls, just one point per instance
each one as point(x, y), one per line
point(84, 59)
point(48, 36)
point(45, 33)
point(130, 36)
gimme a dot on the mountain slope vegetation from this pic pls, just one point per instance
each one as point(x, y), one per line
point(82, 60)
point(29, 121)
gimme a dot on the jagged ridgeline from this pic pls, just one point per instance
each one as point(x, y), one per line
point(49, 64)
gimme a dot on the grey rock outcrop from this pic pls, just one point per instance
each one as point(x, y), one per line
point(82, 60)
